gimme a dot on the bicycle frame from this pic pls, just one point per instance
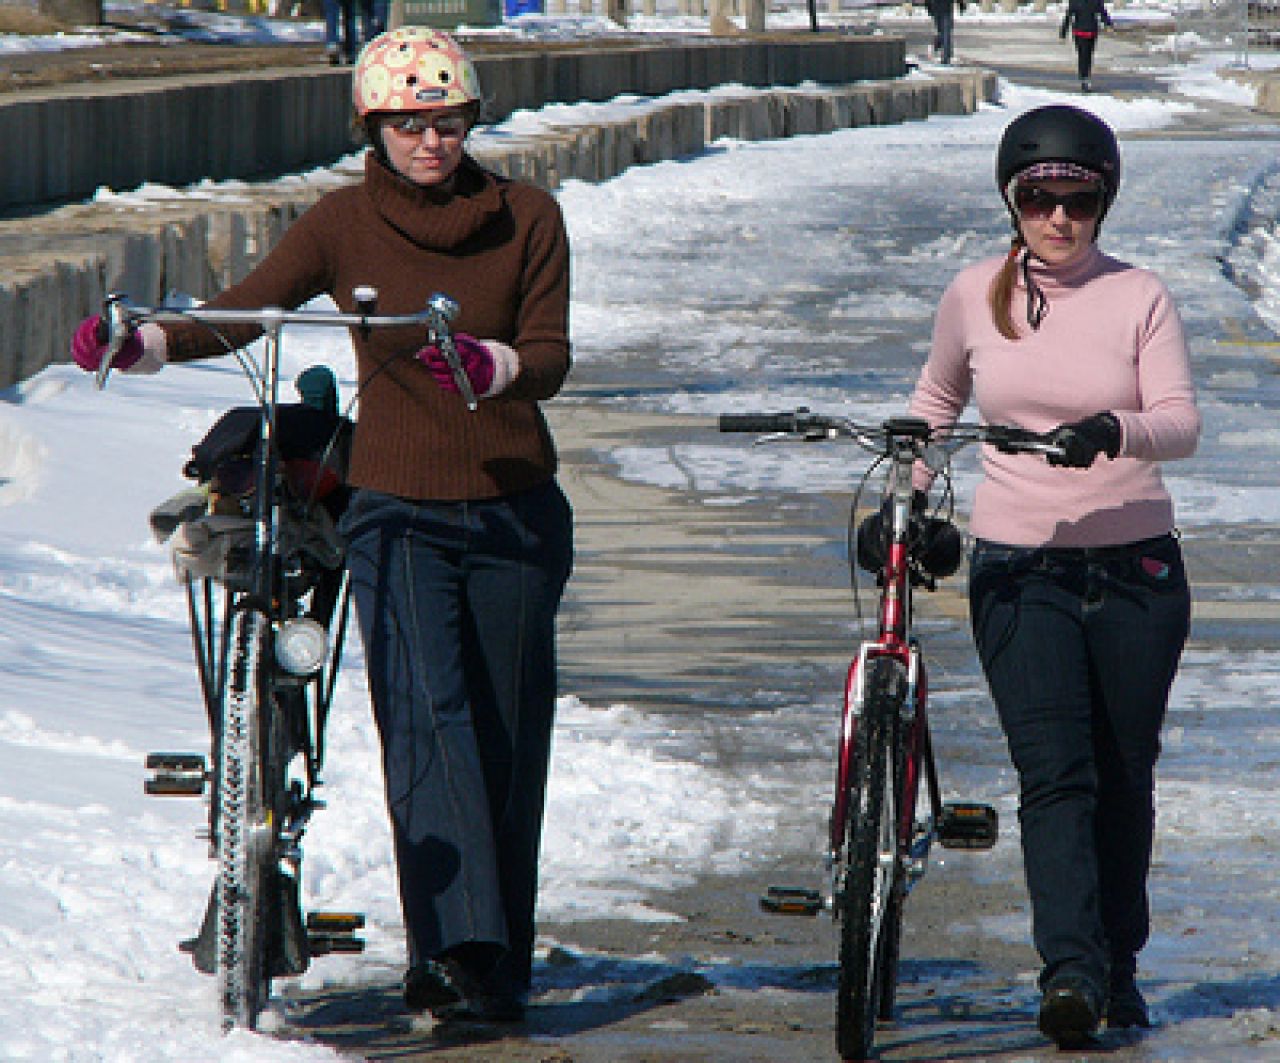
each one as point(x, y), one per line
point(893, 639)
point(260, 811)
point(877, 847)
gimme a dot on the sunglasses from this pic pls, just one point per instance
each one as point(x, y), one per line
point(1032, 201)
point(446, 126)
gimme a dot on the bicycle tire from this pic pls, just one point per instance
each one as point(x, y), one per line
point(891, 938)
point(870, 861)
point(246, 841)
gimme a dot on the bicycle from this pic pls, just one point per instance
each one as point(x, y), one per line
point(265, 653)
point(878, 846)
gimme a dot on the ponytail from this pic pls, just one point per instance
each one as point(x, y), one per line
point(1000, 294)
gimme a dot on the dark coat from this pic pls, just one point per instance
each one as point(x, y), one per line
point(1084, 15)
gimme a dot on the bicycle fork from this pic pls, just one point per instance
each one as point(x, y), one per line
point(914, 838)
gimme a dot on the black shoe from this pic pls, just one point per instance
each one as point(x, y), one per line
point(1069, 1011)
point(484, 998)
point(428, 987)
point(1125, 1008)
point(485, 1007)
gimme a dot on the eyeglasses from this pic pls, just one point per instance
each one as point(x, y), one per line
point(446, 126)
point(1032, 201)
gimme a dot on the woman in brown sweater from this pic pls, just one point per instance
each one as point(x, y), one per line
point(459, 541)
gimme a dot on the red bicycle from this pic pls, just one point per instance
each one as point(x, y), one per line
point(878, 841)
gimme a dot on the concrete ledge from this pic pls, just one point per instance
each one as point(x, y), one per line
point(1266, 83)
point(237, 125)
point(58, 267)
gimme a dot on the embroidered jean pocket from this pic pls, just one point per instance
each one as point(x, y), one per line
point(1160, 567)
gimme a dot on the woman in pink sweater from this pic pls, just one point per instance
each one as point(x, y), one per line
point(1078, 596)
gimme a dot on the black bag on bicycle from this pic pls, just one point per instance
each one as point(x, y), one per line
point(212, 526)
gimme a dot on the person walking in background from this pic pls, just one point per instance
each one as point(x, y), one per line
point(459, 540)
point(943, 13)
point(1078, 596)
point(340, 43)
point(343, 35)
point(1084, 18)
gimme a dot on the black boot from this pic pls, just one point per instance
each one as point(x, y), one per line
point(428, 987)
point(1125, 1008)
point(1069, 1011)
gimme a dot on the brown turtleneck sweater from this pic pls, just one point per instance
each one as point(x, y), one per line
point(499, 249)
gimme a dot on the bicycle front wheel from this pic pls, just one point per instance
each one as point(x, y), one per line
point(866, 904)
point(246, 834)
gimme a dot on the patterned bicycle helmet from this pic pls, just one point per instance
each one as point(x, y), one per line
point(413, 68)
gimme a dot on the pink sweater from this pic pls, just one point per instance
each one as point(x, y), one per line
point(1111, 340)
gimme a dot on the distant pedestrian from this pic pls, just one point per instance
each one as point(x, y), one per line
point(340, 43)
point(343, 36)
point(943, 13)
point(1083, 18)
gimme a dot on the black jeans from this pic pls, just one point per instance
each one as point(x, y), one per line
point(1080, 648)
point(1084, 54)
point(457, 604)
point(944, 23)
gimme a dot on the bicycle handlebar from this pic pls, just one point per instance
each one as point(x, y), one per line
point(120, 318)
point(888, 435)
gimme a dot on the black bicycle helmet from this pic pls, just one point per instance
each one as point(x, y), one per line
point(1059, 133)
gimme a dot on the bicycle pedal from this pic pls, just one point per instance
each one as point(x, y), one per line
point(328, 944)
point(329, 932)
point(791, 900)
point(176, 775)
point(335, 922)
point(963, 825)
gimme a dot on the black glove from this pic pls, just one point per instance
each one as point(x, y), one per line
point(1082, 441)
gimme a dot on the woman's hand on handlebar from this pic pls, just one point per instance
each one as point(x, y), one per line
point(91, 341)
point(141, 349)
point(489, 366)
point(1082, 441)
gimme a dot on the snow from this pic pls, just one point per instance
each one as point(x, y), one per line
point(807, 262)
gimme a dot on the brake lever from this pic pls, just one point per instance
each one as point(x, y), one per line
point(441, 311)
point(116, 321)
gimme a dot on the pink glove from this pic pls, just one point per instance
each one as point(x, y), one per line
point(88, 350)
point(477, 363)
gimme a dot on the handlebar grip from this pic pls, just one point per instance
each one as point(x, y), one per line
point(1010, 440)
point(759, 423)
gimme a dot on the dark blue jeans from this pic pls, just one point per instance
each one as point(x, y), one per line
point(1080, 648)
point(944, 24)
point(457, 604)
